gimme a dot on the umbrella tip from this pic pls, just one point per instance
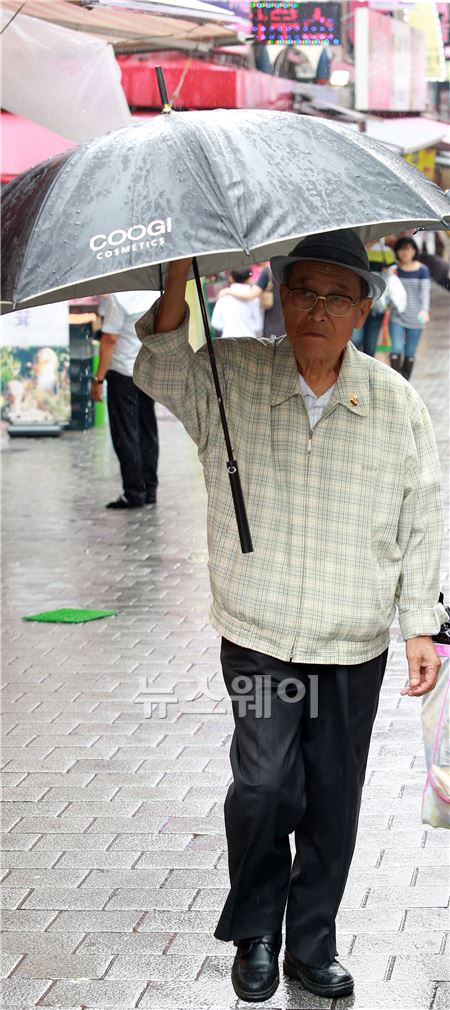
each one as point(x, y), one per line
point(166, 107)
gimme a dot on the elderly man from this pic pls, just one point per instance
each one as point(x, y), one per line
point(343, 489)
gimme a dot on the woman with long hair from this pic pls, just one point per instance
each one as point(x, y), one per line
point(406, 328)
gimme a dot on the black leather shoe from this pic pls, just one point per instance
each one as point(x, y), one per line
point(254, 974)
point(150, 497)
point(123, 503)
point(332, 980)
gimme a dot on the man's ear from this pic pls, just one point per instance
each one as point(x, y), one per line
point(283, 291)
point(362, 311)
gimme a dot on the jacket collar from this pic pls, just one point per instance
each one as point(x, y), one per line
point(352, 387)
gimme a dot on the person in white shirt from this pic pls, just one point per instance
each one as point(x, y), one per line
point(132, 418)
point(233, 317)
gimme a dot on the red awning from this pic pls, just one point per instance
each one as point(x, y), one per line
point(24, 144)
point(202, 84)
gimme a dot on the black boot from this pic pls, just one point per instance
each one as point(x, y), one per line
point(408, 365)
point(396, 363)
point(330, 981)
point(255, 968)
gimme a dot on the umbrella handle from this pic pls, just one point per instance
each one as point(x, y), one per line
point(232, 467)
point(239, 507)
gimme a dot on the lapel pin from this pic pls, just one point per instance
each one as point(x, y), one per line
point(354, 400)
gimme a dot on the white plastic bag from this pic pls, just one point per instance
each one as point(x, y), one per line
point(436, 738)
point(396, 293)
point(394, 297)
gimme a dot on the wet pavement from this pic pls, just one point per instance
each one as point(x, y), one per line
point(115, 753)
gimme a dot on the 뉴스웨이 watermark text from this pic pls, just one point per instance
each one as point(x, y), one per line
point(249, 695)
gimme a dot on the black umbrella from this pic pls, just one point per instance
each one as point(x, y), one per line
point(225, 187)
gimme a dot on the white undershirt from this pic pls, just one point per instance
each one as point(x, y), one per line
point(315, 405)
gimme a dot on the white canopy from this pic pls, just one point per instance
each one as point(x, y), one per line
point(407, 134)
point(150, 24)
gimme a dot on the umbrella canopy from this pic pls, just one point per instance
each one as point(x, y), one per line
point(226, 186)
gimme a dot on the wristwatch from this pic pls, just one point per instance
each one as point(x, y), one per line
point(96, 379)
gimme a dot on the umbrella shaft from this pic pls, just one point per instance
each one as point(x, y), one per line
point(212, 358)
point(232, 467)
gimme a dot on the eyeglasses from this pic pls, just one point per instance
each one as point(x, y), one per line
point(305, 300)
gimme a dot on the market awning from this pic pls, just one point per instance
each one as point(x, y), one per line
point(24, 144)
point(407, 134)
point(186, 24)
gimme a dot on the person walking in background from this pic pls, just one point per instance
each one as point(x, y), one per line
point(235, 317)
point(381, 256)
point(266, 291)
point(131, 412)
point(405, 328)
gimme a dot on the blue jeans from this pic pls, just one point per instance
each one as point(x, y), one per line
point(366, 337)
point(404, 339)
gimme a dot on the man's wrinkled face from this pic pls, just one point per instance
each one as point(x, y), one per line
point(315, 330)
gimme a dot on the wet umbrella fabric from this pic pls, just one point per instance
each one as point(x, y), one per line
point(228, 187)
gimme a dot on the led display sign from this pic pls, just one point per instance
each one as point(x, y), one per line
point(275, 22)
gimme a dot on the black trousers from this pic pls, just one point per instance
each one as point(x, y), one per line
point(134, 434)
point(299, 769)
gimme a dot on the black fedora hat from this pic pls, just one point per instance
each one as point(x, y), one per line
point(343, 248)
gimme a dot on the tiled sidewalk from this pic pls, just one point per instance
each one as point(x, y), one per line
point(114, 848)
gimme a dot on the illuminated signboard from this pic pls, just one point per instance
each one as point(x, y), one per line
point(295, 24)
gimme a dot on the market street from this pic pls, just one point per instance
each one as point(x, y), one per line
point(115, 758)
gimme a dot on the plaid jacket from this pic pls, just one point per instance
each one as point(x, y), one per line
point(345, 520)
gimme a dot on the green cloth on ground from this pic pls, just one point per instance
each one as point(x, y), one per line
point(70, 615)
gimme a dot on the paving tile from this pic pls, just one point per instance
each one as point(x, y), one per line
point(9, 961)
point(95, 859)
point(408, 897)
point(151, 898)
point(67, 898)
point(85, 842)
point(54, 825)
point(95, 921)
point(12, 897)
point(179, 860)
point(442, 997)
point(179, 921)
point(40, 943)
point(20, 992)
point(39, 878)
point(435, 967)
point(24, 920)
point(16, 841)
point(396, 943)
point(210, 897)
point(56, 965)
point(152, 842)
point(125, 943)
point(94, 994)
point(125, 878)
point(155, 967)
point(426, 918)
point(412, 995)
point(39, 860)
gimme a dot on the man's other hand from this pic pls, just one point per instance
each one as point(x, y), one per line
point(423, 666)
point(96, 391)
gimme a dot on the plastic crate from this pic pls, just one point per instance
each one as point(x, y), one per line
point(80, 369)
point(80, 387)
point(81, 418)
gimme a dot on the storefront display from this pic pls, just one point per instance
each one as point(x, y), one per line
point(34, 366)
